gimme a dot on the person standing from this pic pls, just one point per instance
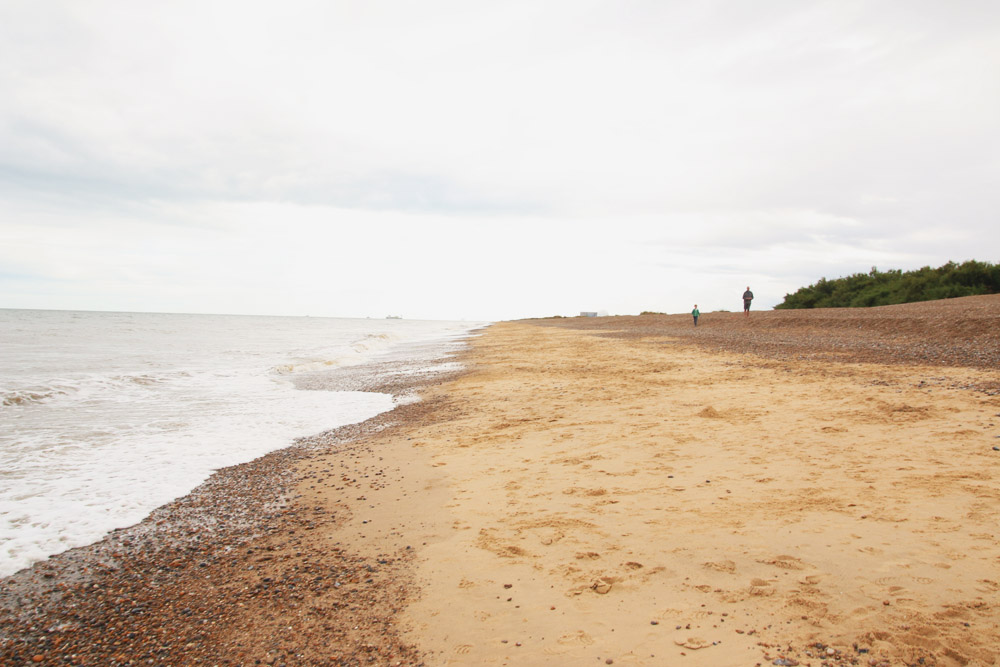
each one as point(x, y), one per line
point(747, 298)
point(695, 314)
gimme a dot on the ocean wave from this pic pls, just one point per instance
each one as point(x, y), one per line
point(144, 380)
point(46, 391)
point(355, 353)
point(28, 396)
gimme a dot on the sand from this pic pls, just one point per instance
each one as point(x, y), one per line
point(779, 490)
point(650, 503)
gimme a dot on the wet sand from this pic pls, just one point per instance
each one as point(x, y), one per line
point(229, 574)
point(796, 488)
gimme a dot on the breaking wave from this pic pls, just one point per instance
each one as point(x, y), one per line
point(353, 354)
point(28, 396)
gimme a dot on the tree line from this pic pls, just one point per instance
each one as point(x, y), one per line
point(883, 288)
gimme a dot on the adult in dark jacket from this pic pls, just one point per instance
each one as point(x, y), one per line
point(747, 298)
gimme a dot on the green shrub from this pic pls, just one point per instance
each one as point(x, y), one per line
point(882, 288)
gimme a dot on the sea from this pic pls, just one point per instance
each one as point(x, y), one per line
point(107, 416)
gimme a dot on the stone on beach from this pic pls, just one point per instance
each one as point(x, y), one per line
point(854, 458)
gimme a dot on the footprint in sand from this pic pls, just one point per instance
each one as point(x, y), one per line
point(989, 586)
point(463, 649)
point(860, 612)
point(727, 566)
point(761, 588)
point(579, 637)
point(785, 562)
point(693, 643)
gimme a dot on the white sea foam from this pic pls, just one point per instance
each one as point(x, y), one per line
point(106, 416)
point(350, 354)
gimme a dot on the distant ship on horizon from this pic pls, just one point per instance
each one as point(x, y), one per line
point(393, 317)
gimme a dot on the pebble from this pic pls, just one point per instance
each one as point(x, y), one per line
point(160, 606)
point(159, 591)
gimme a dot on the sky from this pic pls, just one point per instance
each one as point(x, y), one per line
point(487, 160)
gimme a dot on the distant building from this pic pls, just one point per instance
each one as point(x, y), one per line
point(588, 313)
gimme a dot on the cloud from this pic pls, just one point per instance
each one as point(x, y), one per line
point(191, 147)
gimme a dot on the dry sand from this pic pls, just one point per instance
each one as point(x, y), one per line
point(635, 499)
point(813, 488)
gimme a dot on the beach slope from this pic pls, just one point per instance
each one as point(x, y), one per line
point(617, 495)
point(790, 488)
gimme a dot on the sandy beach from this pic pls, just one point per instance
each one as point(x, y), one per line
point(797, 487)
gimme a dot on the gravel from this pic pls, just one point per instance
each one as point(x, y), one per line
point(962, 332)
point(224, 576)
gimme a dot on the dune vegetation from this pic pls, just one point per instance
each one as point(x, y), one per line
point(883, 288)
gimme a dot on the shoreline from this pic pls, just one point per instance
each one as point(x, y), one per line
point(145, 594)
point(538, 466)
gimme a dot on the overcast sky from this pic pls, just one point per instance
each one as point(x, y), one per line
point(487, 160)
